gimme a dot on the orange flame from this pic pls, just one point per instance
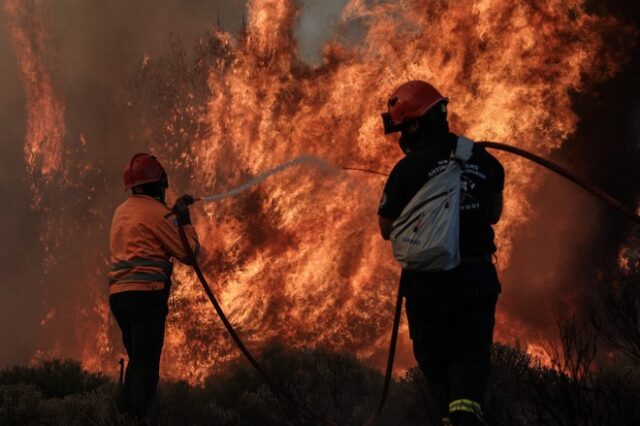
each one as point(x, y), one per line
point(539, 355)
point(299, 258)
point(44, 108)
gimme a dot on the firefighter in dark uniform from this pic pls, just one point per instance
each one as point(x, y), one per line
point(450, 313)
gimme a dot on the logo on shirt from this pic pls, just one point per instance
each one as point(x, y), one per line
point(467, 184)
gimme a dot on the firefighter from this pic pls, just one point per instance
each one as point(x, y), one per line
point(144, 238)
point(450, 313)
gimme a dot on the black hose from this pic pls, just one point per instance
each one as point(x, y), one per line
point(275, 387)
point(390, 358)
point(630, 214)
point(624, 210)
point(617, 205)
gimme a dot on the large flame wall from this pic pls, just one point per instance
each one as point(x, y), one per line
point(299, 258)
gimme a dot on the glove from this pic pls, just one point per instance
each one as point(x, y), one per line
point(181, 209)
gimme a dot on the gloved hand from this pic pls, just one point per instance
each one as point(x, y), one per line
point(181, 209)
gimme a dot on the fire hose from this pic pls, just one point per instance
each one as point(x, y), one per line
point(278, 390)
point(617, 205)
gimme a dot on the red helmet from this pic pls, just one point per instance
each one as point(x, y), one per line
point(143, 168)
point(413, 99)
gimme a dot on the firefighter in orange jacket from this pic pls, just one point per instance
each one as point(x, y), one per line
point(144, 238)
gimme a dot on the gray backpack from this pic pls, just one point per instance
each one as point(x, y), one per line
point(426, 235)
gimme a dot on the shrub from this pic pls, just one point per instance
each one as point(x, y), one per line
point(337, 387)
point(55, 379)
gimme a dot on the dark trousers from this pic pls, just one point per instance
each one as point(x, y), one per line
point(451, 320)
point(141, 317)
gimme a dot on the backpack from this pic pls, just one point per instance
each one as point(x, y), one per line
point(426, 235)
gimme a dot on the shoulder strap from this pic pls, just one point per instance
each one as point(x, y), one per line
point(464, 149)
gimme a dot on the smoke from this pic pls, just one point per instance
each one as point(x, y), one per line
point(95, 51)
point(572, 241)
point(20, 251)
point(90, 50)
point(316, 24)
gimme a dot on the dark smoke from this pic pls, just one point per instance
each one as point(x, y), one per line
point(572, 243)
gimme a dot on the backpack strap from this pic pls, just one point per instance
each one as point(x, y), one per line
point(464, 149)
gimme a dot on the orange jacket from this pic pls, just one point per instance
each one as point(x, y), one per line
point(143, 240)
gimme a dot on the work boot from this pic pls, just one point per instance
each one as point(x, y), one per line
point(466, 412)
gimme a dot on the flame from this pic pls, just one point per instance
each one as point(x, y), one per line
point(44, 117)
point(44, 108)
point(540, 356)
point(629, 256)
point(299, 258)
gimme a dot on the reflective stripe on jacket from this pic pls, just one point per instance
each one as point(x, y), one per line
point(144, 237)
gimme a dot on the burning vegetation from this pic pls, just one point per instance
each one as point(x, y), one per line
point(298, 259)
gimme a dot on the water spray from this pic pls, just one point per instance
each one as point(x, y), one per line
point(322, 164)
point(318, 162)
